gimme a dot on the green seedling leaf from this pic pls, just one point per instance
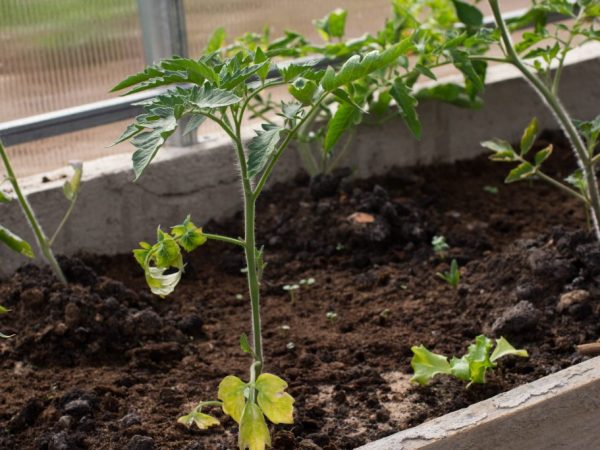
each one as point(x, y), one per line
point(542, 155)
point(498, 145)
point(15, 243)
point(254, 434)
point(71, 187)
point(276, 404)
point(231, 393)
point(426, 365)
point(141, 254)
point(188, 235)
point(332, 25)
point(201, 420)
point(407, 104)
point(452, 277)
point(529, 136)
point(3, 310)
point(468, 14)
point(460, 368)
point(245, 345)
point(504, 348)
point(303, 90)
point(166, 251)
point(522, 171)
point(344, 118)
point(503, 156)
point(478, 358)
point(262, 147)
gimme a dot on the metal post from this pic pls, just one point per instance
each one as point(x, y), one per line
point(164, 35)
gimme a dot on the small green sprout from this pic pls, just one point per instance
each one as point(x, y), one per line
point(471, 367)
point(491, 189)
point(440, 246)
point(452, 277)
point(331, 316)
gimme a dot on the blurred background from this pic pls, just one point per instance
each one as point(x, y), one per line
point(58, 54)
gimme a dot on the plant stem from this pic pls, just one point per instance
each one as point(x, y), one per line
point(561, 115)
point(40, 237)
point(218, 237)
point(63, 221)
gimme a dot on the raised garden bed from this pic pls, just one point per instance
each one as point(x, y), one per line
point(103, 364)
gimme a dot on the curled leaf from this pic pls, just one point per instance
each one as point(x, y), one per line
point(427, 364)
point(188, 235)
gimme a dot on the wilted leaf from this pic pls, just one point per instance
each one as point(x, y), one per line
point(188, 235)
point(254, 434)
point(231, 393)
point(276, 404)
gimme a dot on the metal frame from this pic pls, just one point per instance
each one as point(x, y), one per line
point(164, 35)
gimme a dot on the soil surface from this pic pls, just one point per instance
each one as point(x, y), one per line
point(103, 364)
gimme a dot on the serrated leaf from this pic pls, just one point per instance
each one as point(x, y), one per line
point(344, 118)
point(450, 93)
point(333, 24)
point(231, 393)
point(166, 251)
point(425, 71)
point(254, 434)
point(407, 104)
point(468, 14)
point(201, 420)
point(15, 243)
point(129, 132)
point(188, 235)
point(529, 136)
point(426, 365)
point(259, 58)
point(498, 145)
point(276, 404)
point(542, 155)
point(291, 110)
point(303, 90)
point(504, 348)
point(148, 143)
point(261, 147)
point(522, 171)
point(233, 79)
point(292, 71)
point(211, 98)
point(197, 71)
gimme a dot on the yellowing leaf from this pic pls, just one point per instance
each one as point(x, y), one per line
point(277, 405)
point(201, 420)
point(188, 235)
point(254, 434)
point(231, 393)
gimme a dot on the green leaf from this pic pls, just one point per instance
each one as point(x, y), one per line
point(504, 156)
point(465, 65)
point(211, 98)
point(142, 254)
point(332, 25)
point(344, 118)
point(356, 68)
point(542, 155)
point(148, 144)
point(478, 358)
point(450, 93)
point(303, 90)
point(261, 147)
point(166, 251)
point(503, 348)
point(231, 393)
point(529, 136)
point(15, 243)
point(425, 71)
point(407, 105)
point(259, 58)
point(426, 365)
point(198, 71)
point(254, 434)
point(522, 171)
point(468, 14)
point(460, 368)
point(201, 420)
point(193, 123)
point(245, 345)
point(498, 145)
point(276, 404)
point(216, 40)
point(71, 187)
point(4, 198)
point(188, 235)
point(3, 310)
point(129, 132)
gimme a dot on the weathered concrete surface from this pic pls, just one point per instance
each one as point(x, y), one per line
point(560, 411)
point(113, 214)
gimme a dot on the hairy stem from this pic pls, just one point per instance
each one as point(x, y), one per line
point(40, 237)
point(561, 115)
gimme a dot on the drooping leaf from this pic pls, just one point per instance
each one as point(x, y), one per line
point(465, 65)
point(15, 243)
point(344, 118)
point(274, 402)
point(407, 104)
point(231, 393)
point(162, 283)
point(188, 235)
point(504, 348)
point(254, 434)
point(166, 251)
point(261, 147)
point(529, 136)
point(468, 14)
point(426, 365)
point(201, 420)
point(522, 171)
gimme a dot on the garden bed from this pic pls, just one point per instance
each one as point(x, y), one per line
point(104, 364)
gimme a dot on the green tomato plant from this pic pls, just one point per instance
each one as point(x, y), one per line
point(471, 367)
point(70, 189)
point(220, 86)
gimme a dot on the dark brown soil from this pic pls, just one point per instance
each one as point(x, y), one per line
point(103, 364)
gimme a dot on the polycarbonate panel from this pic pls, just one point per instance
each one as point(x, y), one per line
point(56, 54)
point(242, 16)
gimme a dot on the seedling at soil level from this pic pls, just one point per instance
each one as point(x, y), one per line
point(440, 246)
point(535, 62)
point(14, 242)
point(471, 367)
point(220, 86)
point(452, 276)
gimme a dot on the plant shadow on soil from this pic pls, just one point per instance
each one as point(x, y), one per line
point(103, 364)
